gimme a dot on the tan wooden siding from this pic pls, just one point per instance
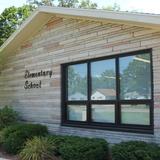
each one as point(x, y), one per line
point(65, 40)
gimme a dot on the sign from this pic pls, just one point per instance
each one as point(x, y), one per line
point(28, 75)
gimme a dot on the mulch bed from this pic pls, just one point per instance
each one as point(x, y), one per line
point(3, 154)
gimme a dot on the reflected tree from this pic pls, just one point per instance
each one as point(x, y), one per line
point(76, 83)
point(136, 77)
point(105, 81)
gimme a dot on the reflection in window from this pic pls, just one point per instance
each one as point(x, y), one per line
point(113, 92)
point(77, 82)
point(135, 79)
point(77, 112)
point(103, 113)
point(103, 80)
point(135, 114)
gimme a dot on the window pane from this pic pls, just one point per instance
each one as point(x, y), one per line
point(77, 112)
point(103, 113)
point(135, 114)
point(103, 80)
point(77, 82)
point(135, 77)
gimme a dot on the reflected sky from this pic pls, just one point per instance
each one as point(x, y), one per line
point(124, 62)
point(97, 68)
point(80, 69)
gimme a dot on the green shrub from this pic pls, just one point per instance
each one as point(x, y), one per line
point(57, 140)
point(14, 137)
point(38, 148)
point(135, 150)
point(77, 148)
point(7, 117)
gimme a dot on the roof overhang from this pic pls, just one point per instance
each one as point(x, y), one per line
point(41, 15)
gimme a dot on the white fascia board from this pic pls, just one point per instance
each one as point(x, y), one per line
point(134, 18)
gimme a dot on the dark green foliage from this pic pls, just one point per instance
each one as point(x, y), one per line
point(38, 148)
point(58, 140)
point(14, 137)
point(83, 149)
point(11, 18)
point(71, 148)
point(7, 116)
point(135, 150)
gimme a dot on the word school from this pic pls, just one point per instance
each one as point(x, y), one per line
point(30, 84)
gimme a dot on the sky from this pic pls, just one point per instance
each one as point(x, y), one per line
point(146, 6)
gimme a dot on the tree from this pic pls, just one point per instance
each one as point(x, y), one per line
point(135, 78)
point(11, 18)
point(115, 7)
point(41, 3)
point(64, 3)
point(68, 3)
point(76, 82)
point(87, 4)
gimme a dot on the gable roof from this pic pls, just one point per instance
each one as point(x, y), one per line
point(41, 15)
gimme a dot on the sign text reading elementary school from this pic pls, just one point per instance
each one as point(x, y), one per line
point(28, 74)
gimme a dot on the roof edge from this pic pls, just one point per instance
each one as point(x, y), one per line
point(143, 20)
point(133, 18)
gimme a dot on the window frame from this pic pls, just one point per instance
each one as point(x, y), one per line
point(117, 126)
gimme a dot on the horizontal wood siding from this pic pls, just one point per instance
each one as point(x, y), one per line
point(64, 40)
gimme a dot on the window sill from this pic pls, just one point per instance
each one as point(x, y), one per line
point(111, 127)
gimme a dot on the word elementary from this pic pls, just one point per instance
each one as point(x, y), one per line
point(42, 73)
point(30, 84)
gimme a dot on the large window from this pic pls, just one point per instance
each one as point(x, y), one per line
point(111, 93)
